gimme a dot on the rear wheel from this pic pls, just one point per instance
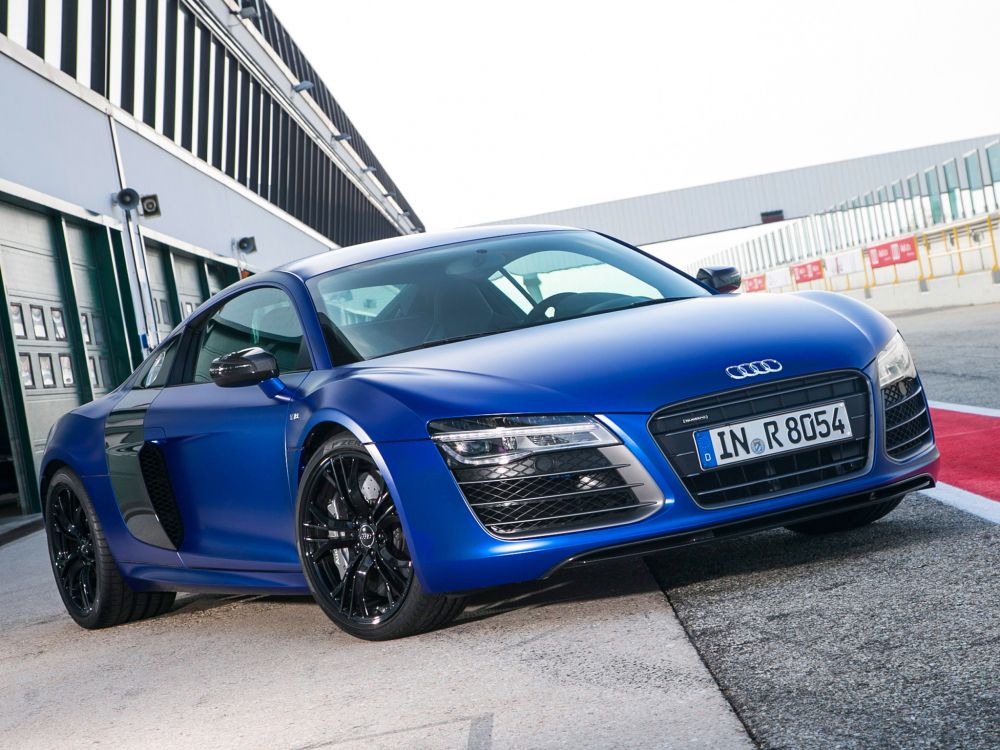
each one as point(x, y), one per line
point(89, 582)
point(354, 551)
point(852, 519)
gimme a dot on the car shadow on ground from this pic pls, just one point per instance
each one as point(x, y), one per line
point(758, 553)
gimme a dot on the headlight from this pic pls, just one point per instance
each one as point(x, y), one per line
point(482, 441)
point(895, 362)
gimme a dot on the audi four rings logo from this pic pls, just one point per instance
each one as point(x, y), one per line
point(752, 369)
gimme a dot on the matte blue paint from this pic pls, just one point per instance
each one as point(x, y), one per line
point(236, 453)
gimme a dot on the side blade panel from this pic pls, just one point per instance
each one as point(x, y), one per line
point(124, 437)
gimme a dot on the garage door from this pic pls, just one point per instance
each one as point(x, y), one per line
point(159, 287)
point(189, 288)
point(48, 369)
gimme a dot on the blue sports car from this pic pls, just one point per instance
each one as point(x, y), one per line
point(392, 425)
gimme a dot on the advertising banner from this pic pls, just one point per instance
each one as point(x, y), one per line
point(893, 253)
point(778, 277)
point(754, 283)
point(811, 271)
point(842, 263)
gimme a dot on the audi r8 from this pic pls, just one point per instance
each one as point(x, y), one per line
point(393, 425)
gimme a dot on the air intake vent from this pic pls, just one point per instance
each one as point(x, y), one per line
point(673, 428)
point(161, 494)
point(559, 491)
point(907, 423)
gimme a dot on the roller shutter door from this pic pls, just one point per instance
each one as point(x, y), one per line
point(164, 302)
point(48, 376)
point(189, 288)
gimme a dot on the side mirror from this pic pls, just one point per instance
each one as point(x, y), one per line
point(245, 367)
point(720, 278)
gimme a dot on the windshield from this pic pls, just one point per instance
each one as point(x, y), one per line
point(471, 289)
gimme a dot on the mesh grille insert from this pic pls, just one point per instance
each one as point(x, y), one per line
point(907, 421)
point(160, 491)
point(555, 491)
point(673, 428)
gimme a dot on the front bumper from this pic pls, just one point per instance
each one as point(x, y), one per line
point(452, 552)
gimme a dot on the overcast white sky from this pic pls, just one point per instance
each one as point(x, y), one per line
point(488, 111)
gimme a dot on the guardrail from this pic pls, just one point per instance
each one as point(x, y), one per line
point(953, 249)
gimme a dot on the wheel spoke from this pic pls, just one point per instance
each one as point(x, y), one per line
point(64, 562)
point(346, 581)
point(329, 545)
point(360, 586)
point(86, 598)
point(383, 506)
point(388, 517)
point(393, 580)
point(66, 526)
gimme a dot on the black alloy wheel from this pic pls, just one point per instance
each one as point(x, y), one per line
point(92, 588)
point(353, 548)
point(72, 546)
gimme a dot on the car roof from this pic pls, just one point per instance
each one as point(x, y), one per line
point(331, 260)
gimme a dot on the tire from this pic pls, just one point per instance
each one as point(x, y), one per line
point(353, 549)
point(851, 519)
point(91, 586)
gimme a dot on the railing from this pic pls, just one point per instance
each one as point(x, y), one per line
point(953, 249)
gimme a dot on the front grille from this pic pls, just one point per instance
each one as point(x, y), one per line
point(673, 429)
point(557, 491)
point(907, 421)
point(160, 491)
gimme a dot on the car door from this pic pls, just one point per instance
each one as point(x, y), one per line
point(224, 449)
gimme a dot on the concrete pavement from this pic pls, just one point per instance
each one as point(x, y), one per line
point(592, 660)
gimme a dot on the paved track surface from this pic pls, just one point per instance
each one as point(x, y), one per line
point(958, 352)
point(887, 636)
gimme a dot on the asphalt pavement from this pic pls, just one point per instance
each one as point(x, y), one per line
point(957, 351)
point(887, 636)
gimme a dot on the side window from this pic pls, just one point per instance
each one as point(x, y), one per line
point(156, 369)
point(263, 317)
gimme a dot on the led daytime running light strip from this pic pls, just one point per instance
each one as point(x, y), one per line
point(502, 432)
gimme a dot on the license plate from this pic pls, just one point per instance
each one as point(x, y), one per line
point(768, 436)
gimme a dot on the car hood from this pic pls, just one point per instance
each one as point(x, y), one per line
point(630, 360)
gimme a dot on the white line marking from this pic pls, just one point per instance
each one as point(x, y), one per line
point(977, 505)
point(981, 410)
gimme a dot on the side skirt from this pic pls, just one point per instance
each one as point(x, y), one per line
point(162, 578)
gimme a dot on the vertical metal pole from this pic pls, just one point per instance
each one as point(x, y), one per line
point(993, 243)
point(137, 257)
point(958, 251)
